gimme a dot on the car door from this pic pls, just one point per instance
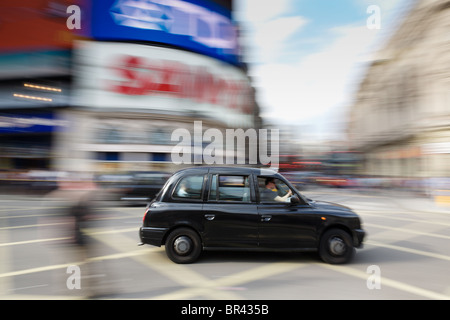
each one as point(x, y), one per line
point(230, 213)
point(186, 201)
point(283, 225)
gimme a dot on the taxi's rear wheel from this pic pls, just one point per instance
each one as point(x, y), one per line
point(183, 245)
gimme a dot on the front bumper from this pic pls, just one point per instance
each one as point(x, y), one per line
point(358, 239)
point(153, 236)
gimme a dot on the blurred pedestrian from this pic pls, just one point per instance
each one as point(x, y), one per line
point(75, 196)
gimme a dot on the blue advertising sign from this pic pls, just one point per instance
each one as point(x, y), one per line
point(197, 25)
point(30, 123)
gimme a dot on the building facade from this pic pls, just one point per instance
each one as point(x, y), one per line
point(130, 76)
point(400, 120)
point(35, 81)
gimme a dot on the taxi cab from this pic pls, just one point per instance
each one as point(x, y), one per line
point(249, 209)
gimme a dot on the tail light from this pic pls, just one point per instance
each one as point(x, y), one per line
point(145, 214)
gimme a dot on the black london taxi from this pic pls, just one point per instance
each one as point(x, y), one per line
point(230, 208)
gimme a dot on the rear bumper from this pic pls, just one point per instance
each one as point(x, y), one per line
point(153, 236)
point(360, 234)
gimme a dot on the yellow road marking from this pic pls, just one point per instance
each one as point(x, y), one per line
point(65, 265)
point(35, 225)
point(236, 279)
point(31, 208)
point(409, 250)
point(32, 241)
point(180, 274)
point(402, 229)
point(388, 282)
point(90, 232)
point(39, 297)
point(388, 216)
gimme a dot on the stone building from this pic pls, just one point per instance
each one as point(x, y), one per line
point(400, 120)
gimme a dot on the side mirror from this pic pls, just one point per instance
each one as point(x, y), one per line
point(295, 200)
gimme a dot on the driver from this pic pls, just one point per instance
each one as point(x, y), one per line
point(269, 193)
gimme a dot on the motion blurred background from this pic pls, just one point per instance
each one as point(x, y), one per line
point(360, 96)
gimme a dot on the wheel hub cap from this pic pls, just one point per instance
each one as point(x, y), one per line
point(337, 246)
point(182, 245)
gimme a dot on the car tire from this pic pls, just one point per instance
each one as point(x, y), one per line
point(183, 245)
point(336, 247)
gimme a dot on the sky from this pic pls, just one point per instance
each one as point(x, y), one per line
point(307, 57)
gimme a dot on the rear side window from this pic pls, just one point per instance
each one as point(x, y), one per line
point(189, 187)
point(231, 188)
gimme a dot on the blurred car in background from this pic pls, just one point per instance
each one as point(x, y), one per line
point(133, 188)
point(302, 180)
point(337, 181)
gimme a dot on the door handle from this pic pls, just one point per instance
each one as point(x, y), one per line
point(210, 217)
point(266, 218)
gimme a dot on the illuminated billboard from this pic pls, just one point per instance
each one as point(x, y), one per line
point(123, 76)
point(198, 25)
point(30, 25)
point(34, 39)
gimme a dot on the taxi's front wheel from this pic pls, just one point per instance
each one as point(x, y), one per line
point(336, 247)
point(183, 245)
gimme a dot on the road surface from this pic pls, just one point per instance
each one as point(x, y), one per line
point(406, 256)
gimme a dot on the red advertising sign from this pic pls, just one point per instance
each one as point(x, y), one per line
point(28, 25)
point(132, 76)
point(146, 77)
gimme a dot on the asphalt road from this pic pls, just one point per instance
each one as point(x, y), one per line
point(406, 256)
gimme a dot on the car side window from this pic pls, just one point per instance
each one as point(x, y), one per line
point(230, 188)
point(189, 187)
point(273, 190)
